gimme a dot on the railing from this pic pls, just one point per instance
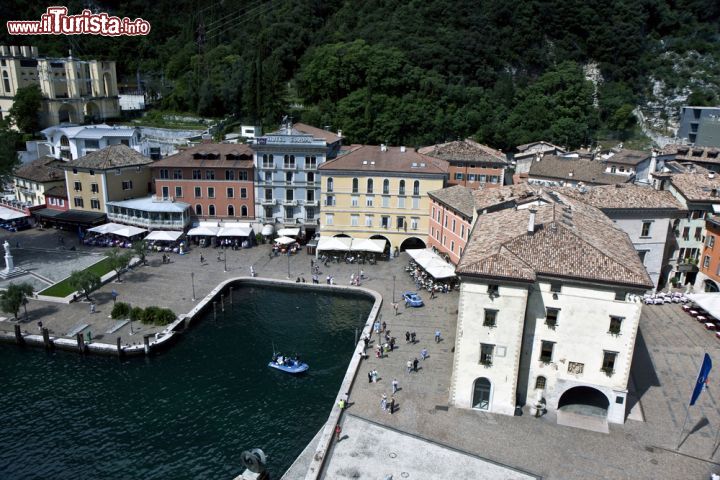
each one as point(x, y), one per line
point(267, 201)
point(290, 167)
point(146, 222)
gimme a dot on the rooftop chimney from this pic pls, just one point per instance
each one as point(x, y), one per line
point(402, 149)
point(383, 147)
point(339, 133)
point(531, 221)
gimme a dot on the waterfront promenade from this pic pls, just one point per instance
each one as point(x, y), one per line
point(670, 346)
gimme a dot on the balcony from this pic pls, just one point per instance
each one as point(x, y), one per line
point(266, 166)
point(289, 167)
point(146, 222)
point(267, 201)
point(687, 265)
point(292, 203)
point(310, 203)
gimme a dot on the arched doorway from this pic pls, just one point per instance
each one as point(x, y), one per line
point(412, 242)
point(387, 243)
point(481, 394)
point(66, 114)
point(343, 235)
point(711, 286)
point(584, 401)
point(92, 113)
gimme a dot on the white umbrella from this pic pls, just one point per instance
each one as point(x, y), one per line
point(203, 231)
point(289, 232)
point(284, 240)
point(106, 228)
point(128, 231)
point(164, 236)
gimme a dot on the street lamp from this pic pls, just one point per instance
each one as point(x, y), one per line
point(224, 252)
point(393, 289)
point(192, 279)
point(288, 255)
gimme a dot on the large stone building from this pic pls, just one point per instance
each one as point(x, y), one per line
point(548, 307)
point(380, 192)
point(700, 126)
point(471, 164)
point(73, 90)
point(287, 183)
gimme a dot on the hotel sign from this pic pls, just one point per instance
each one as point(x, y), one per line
point(289, 139)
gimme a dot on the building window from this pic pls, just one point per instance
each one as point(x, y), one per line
point(211, 192)
point(329, 218)
point(385, 202)
point(452, 246)
point(556, 287)
point(416, 187)
point(642, 254)
point(698, 233)
point(177, 174)
point(368, 220)
point(354, 220)
point(289, 195)
point(355, 185)
point(686, 233)
point(490, 319)
point(310, 196)
point(231, 211)
point(401, 189)
point(355, 201)
point(209, 174)
point(401, 223)
point(711, 241)
point(615, 325)
point(370, 185)
point(164, 174)
point(79, 202)
point(74, 170)
point(645, 229)
point(414, 223)
point(540, 383)
point(546, 351)
point(551, 317)
point(385, 221)
point(211, 210)
point(620, 295)
point(242, 175)
point(289, 161)
point(486, 354)
point(310, 163)
point(462, 231)
point(78, 187)
point(493, 290)
point(94, 188)
point(706, 261)
point(196, 175)
point(453, 225)
point(229, 174)
point(329, 201)
point(329, 184)
point(230, 192)
point(288, 177)
point(401, 202)
point(198, 192)
point(243, 211)
point(127, 185)
point(243, 193)
point(369, 201)
point(386, 187)
point(608, 364)
point(311, 177)
point(198, 210)
point(458, 176)
point(95, 203)
point(178, 192)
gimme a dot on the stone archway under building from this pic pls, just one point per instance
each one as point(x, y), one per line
point(387, 242)
point(412, 242)
point(92, 113)
point(584, 407)
point(710, 286)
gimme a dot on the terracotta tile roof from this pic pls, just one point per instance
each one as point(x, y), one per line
point(221, 155)
point(627, 157)
point(44, 169)
point(623, 196)
point(574, 169)
point(487, 198)
point(114, 156)
point(698, 186)
point(465, 151)
point(457, 197)
point(329, 137)
point(370, 158)
point(692, 154)
point(571, 239)
point(57, 191)
point(548, 145)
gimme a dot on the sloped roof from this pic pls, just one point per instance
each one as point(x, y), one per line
point(114, 156)
point(525, 146)
point(574, 169)
point(623, 196)
point(371, 158)
point(485, 198)
point(466, 151)
point(458, 197)
point(59, 191)
point(570, 239)
point(241, 156)
point(44, 169)
point(328, 136)
point(693, 153)
point(627, 157)
point(698, 186)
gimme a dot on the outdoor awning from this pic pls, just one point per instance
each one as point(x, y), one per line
point(716, 208)
point(375, 245)
point(285, 240)
point(432, 263)
point(75, 217)
point(106, 228)
point(128, 231)
point(267, 230)
point(334, 243)
point(234, 232)
point(710, 302)
point(164, 236)
point(10, 214)
point(289, 232)
point(203, 231)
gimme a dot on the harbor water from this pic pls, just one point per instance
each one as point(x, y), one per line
point(189, 412)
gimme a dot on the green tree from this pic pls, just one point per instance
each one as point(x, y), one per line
point(15, 297)
point(26, 108)
point(119, 260)
point(8, 150)
point(140, 250)
point(84, 281)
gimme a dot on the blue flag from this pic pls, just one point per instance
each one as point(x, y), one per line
point(702, 379)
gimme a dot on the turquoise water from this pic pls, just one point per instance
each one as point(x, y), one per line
point(189, 412)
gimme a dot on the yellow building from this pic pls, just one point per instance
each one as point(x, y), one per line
point(114, 173)
point(380, 192)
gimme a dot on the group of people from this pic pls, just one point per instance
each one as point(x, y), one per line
point(286, 360)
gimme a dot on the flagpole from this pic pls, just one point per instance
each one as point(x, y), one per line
point(687, 414)
point(695, 393)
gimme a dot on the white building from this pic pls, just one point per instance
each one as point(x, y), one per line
point(645, 214)
point(548, 303)
point(70, 142)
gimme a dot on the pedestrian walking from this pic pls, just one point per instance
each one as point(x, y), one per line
point(395, 307)
point(432, 293)
point(328, 279)
point(40, 326)
point(415, 364)
point(384, 326)
point(352, 279)
point(392, 344)
point(412, 337)
point(312, 264)
point(424, 353)
point(338, 431)
point(370, 376)
point(92, 307)
point(437, 335)
point(365, 342)
point(342, 404)
point(383, 402)
point(409, 366)
point(114, 295)
point(202, 259)
point(391, 407)
point(395, 385)
point(374, 376)
point(407, 337)
point(376, 326)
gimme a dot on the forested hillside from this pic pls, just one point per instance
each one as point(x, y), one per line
point(414, 72)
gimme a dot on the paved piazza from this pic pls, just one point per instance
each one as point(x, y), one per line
point(668, 353)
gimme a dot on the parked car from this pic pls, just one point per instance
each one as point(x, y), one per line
point(412, 299)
